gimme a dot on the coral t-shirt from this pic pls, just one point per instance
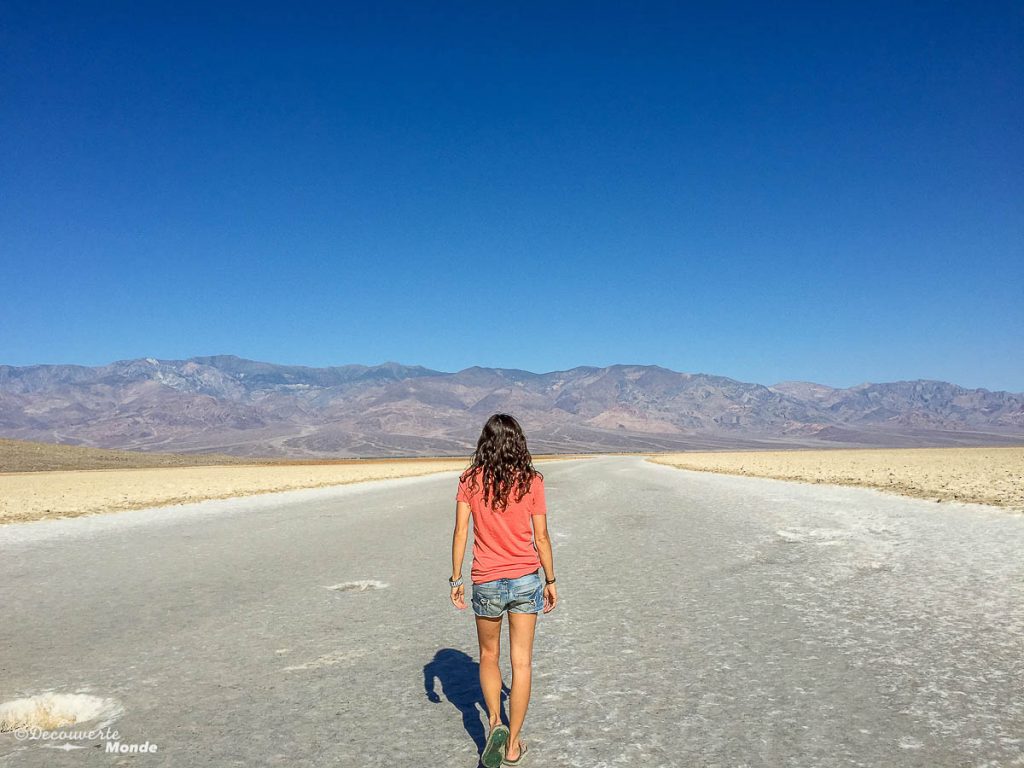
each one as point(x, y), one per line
point(503, 546)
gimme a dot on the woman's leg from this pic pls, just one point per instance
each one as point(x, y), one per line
point(488, 632)
point(521, 628)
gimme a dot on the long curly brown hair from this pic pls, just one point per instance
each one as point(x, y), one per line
point(503, 461)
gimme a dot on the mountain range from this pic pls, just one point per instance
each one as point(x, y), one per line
point(227, 404)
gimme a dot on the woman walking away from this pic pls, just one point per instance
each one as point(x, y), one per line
point(504, 494)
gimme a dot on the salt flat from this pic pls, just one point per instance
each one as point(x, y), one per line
point(27, 496)
point(991, 475)
point(705, 620)
point(49, 495)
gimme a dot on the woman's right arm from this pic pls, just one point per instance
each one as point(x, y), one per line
point(547, 561)
point(540, 536)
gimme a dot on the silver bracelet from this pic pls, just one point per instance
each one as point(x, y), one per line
point(456, 583)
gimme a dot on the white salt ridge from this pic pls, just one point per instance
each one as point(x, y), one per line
point(358, 586)
point(56, 710)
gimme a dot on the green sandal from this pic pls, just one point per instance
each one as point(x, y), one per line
point(494, 749)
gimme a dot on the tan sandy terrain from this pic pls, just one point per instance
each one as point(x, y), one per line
point(980, 475)
point(164, 479)
point(29, 456)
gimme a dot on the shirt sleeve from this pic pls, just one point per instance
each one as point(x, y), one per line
point(463, 493)
point(539, 505)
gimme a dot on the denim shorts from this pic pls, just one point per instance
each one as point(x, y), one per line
point(524, 594)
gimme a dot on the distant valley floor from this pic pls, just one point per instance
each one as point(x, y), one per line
point(992, 475)
point(28, 496)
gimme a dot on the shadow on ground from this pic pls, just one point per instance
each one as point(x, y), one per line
point(459, 676)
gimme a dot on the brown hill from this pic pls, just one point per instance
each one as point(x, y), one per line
point(228, 405)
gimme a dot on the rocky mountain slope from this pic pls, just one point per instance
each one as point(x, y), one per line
point(243, 407)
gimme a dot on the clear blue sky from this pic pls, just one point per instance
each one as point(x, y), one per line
point(828, 192)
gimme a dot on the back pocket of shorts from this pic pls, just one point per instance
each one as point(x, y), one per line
point(485, 600)
point(528, 594)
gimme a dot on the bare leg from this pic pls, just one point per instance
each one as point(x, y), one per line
point(488, 632)
point(521, 628)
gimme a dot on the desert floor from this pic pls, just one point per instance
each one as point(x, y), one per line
point(31, 456)
point(704, 620)
point(979, 475)
point(27, 496)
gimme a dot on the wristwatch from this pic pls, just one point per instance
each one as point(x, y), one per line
point(549, 581)
point(456, 583)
